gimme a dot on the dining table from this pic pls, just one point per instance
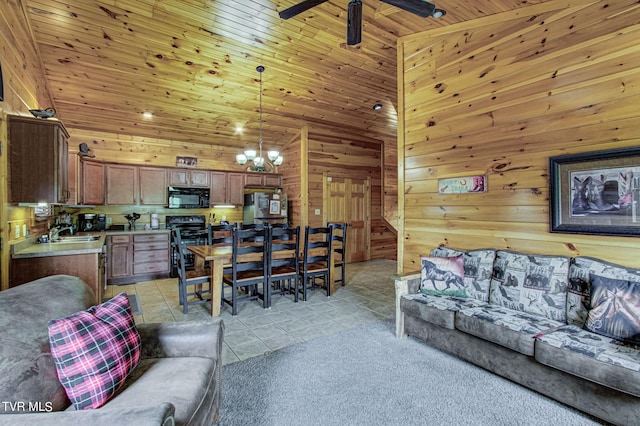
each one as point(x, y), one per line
point(220, 255)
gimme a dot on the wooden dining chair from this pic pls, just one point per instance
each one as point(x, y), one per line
point(283, 247)
point(316, 260)
point(220, 234)
point(248, 268)
point(191, 288)
point(339, 245)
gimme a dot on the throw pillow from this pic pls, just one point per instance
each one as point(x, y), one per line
point(442, 275)
point(615, 305)
point(94, 351)
point(578, 299)
point(478, 268)
point(536, 284)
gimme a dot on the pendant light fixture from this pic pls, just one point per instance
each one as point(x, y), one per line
point(257, 162)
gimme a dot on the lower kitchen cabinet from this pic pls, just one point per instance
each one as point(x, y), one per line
point(137, 257)
point(88, 267)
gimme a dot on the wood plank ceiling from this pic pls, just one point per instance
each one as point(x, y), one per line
point(192, 63)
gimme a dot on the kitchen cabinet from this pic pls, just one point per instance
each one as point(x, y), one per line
point(151, 254)
point(263, 179)
point(73, 178)
point(227, 188)
point(92, 183)
point(119, 257)
point(121, 184)
point(188, 177)
point(138, 257)
point(38, 160)
point(153, 186)
point(89, 267)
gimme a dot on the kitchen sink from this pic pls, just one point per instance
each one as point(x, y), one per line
point(76, 239)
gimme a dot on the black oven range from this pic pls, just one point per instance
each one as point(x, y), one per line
point(193, 232)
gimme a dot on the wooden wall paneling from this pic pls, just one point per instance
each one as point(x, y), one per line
point(25, 87)
point(501, 104)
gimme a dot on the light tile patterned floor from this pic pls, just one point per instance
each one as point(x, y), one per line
point(368, 296)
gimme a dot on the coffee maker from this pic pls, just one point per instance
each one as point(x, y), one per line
point(87, 222)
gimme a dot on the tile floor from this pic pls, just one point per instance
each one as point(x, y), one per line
point(368, 296)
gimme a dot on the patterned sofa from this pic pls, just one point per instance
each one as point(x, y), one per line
point(564, 327)
point(177, 379)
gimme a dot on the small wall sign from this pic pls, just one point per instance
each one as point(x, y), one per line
point(463, 185)
point(189, 162)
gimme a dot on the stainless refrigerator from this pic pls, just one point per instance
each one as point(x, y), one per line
point(265, 207)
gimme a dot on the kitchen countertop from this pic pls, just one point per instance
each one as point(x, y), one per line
point(31, 248)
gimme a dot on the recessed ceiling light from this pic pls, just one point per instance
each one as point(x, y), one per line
point(239, 129)
point(377, 107)
point(147, 114)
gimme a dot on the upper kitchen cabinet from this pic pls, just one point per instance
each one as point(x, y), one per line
point(38, 160)
point(92, 183)
point(153, 186)
point(189, 177)
point(122, 184)
point(263, 179)
point(227, 188)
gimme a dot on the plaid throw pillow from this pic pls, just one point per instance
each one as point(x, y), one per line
point(94, 351)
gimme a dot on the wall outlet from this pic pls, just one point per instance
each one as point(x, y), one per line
point(16, 232)
point(317, 212)
point(24, 230)
point(109, 221)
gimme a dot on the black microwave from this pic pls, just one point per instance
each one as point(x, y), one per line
point(188, 198)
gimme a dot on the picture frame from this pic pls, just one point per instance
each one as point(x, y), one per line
point(596, 193)
point(1, 85)
point(187, 162)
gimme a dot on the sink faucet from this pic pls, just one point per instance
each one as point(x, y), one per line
point(54, 233)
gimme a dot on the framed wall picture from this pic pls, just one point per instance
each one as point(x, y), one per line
point(596, 192)
point(1, 85)
point(188, 162)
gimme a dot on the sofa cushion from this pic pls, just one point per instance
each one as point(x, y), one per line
point(478, 268)
point(192, 395)
point(95, 350)
point(615, 309)
point(436, 309)
point(442, 275)
point(531, 283)
point(27, 371)
point(578, 300)
point(591, 356)
point(515, 330)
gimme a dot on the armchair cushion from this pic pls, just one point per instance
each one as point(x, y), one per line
point(95, 350)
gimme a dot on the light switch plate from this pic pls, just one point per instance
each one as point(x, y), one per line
point(317, 212)
point(24, 230)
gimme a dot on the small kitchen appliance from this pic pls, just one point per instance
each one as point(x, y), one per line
point(87, 222)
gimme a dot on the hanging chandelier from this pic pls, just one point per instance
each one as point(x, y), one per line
point(257, 162)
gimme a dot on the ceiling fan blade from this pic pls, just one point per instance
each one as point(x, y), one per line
point(299, 8)
point(354, 22)
point(417, 7)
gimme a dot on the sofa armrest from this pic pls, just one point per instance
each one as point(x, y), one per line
point(405, 284)
point(162, 414)
point(182, 339)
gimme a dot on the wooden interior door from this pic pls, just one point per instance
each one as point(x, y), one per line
point(348, 200)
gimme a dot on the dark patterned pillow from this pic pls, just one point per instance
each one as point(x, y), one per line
point(478, 268)
point(615, 309)
point(530, 283)
point(94, 351)
point(578, 299)
point(442, 275)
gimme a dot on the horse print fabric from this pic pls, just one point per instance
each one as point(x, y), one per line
point(478, 267)
point(614, 309)
point(531, 283)
point(578, 296)
point(442, 275)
